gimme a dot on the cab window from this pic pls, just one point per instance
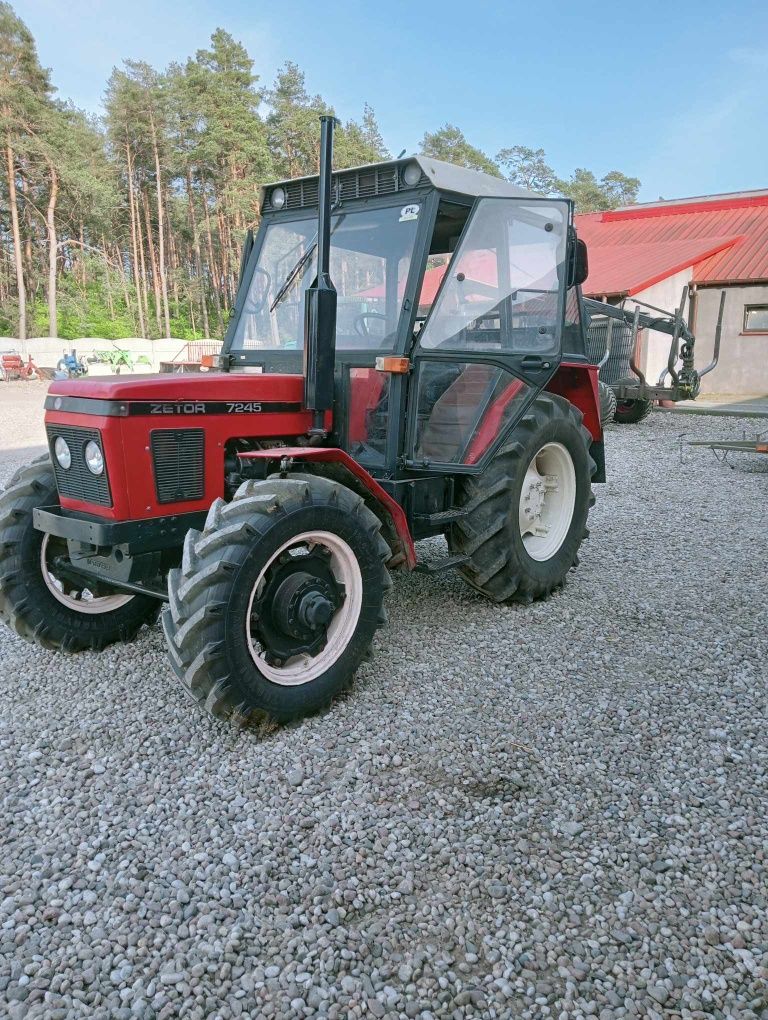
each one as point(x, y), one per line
point(501, 289)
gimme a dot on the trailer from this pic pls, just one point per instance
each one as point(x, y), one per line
point(613, 338)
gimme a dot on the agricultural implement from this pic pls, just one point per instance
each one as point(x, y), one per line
point(613, 339)
point(13, 366)
point(70, 366)
point(350, 412)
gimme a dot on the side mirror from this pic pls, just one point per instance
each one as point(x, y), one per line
point(579, 263)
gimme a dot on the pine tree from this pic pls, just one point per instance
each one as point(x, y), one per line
point(25, 89)
point(449, 144)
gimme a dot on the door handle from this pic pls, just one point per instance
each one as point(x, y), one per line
point(533, 362)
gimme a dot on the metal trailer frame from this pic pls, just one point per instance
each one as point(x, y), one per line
point(680, 368)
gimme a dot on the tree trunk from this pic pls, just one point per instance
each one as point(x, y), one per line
point(134, 242)
point(153, 261)
point(198, 254)
point(28, 228)
point(160, 226)
point(53, 253)
point(17, 253)
point(107, 281)
point(124, 282)
point(83, 271)
point(212, 265)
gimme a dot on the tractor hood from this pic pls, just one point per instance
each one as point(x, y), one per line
point(208, 386)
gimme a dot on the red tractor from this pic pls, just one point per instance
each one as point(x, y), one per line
point(445, 390)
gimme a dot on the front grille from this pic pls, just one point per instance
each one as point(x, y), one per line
point(77, 482)
point(178, 458)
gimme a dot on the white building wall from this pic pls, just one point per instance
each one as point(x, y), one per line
point(743, 366)
point(655, 346)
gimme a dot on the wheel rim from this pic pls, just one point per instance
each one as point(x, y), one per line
point(81, 600)
point(303, 667)
point(547, 501)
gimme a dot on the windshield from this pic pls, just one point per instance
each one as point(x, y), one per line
point(502, 287)
point(371, 252)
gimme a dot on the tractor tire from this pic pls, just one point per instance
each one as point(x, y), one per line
point(630, 412)
point(239, 638)
point(33, 602)
point(526, 513)
point(607, 403)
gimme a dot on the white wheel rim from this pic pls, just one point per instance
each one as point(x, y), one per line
point(547, 501)
point(81, 600)
point(303, 668)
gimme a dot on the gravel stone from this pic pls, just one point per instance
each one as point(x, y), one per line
point(550, 811)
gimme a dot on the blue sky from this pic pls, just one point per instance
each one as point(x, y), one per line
point(675, 93)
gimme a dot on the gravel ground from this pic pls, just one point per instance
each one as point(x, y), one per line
point(557, 810)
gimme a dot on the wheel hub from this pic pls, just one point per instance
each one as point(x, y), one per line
point(296, 606)
point(533, 500)
point(547, 500)
point(303, 603)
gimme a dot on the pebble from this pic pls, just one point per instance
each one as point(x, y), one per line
point(550, 811)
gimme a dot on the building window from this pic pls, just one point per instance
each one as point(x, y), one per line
point(756, 318)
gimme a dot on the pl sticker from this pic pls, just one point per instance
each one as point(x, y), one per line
point(409, 212)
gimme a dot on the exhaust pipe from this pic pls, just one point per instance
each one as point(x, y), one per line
point(320, 300)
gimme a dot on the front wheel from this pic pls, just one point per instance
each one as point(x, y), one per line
point(525, 515)
point(277, 599)
point(39, 599)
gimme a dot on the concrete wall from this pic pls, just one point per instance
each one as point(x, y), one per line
point(743, 365)
point(46, 352)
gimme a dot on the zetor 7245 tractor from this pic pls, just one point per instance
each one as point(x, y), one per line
point(405, 359)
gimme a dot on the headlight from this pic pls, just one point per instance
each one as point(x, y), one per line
point(412, 174)
point(63, 453)
point(94, 458)
point(277, 198)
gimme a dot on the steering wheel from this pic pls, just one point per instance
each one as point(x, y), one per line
point(252, 306)
point(360, 322)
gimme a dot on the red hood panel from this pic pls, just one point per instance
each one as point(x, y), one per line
point(194, 386)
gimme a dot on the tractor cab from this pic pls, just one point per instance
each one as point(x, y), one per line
point(457, 301)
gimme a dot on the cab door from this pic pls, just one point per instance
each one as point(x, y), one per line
point(493, 337)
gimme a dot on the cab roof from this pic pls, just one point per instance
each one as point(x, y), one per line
point(387, 178)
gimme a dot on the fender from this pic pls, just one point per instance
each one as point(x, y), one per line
point(577, 382)
point(404, 551)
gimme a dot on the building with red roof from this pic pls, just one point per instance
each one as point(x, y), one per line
point(650, 252)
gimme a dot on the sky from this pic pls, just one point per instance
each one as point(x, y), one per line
point(673, 92)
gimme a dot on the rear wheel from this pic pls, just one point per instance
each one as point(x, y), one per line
point(38, 599)
point(630, 412)
point(277, 599)
point(607, 403)
point(526, 513)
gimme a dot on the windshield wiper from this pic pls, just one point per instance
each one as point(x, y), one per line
point(291, 277)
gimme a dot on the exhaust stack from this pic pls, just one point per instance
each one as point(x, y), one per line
point(320, 299)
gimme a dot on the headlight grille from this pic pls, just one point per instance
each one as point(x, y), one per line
point(77, 482)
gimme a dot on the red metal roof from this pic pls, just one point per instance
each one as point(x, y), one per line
point(725, 239)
